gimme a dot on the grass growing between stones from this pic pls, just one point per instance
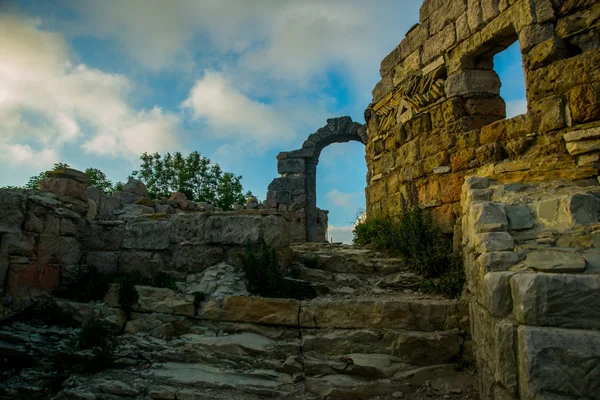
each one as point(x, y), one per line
point(413, 234)
point(264, 278)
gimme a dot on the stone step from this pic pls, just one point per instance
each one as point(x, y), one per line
point(398, 280)
point(440, 381)
point(408, 347)
point(265, 382)
point(419, 313)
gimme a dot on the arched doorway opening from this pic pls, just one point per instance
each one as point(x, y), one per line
point(341, 181)
point(296, 190)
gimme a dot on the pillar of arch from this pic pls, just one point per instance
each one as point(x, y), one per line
point(296, 190)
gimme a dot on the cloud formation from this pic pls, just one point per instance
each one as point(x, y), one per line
point(231, 114)
point(345, 200)
point(269, 47)
point(46, 102)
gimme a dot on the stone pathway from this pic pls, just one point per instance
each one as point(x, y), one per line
point(369, 334)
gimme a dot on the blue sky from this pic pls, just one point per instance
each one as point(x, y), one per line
point(96, 83)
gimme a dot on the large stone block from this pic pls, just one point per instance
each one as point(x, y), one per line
point(65, 187)
point(495, 341)
point(147, 234)
point(423, 348)
point(290, 165)
point(555, 261)
point(58, 250)
point(257, 310)
point(562, 75)
point(136, 187)
point(519, 217)
point(447, 13)
point(25, 280)
point(569, 210)
point(495, 293)
point(12, 211)
point(493, 241)
point(234, 229)
point(103, 237)
point(147, 263)
point(558, 361)
point(487, 217)
point(439, 44)
point(105, 262)
point(473, 82)
point(189, 227)
point(559, 300)
point(276, 231)
point(545, 53)
point(497, 261)
point(194, 257)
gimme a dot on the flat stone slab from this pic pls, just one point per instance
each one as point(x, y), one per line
point(560, 300)
point(555, 261)
point(561, 361)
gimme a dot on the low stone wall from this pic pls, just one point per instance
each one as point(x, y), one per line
point(532, 257)
point(179, 244)
point(47, 235)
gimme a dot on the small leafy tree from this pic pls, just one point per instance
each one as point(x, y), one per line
point(99, 180)
point(195, 176)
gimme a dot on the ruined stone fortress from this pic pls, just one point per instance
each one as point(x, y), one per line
point(520, 197)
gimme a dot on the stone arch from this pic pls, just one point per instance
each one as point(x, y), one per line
point(296, 190)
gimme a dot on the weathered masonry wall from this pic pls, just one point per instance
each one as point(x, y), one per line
point(46, 236)
point(532, 258)
point(437, 117)
point(527, 222)
point(296, 190)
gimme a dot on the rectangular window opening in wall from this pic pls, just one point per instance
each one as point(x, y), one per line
point(508, 65)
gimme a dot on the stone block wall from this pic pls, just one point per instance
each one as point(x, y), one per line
point(47, 235)
point(532, 258)
point(437, 117)
point(40, 237)
point(180, 244)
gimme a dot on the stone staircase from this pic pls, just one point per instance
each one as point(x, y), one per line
point(368, 334)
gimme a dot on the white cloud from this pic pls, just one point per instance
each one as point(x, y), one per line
point(24, 155)
point(231, 114)
point(269, 46)
point(345, 200)
point(516, 107)
point(47, 102)
point(340, 234)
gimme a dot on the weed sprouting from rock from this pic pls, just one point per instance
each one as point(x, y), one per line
point(264, 277)
point(414, 235)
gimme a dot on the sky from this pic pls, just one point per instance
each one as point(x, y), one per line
point(97, 83)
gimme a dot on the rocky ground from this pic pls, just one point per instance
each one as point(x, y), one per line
point(369, 334)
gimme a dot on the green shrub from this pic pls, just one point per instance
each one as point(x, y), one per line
point(199, 297)
point(86, 285)
point(162, 280)
point(450, 282)
point(413, 234)
point(93, 334)
point(47, 312)
point(311, 262)
point(127, 293)
point(264, 277)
